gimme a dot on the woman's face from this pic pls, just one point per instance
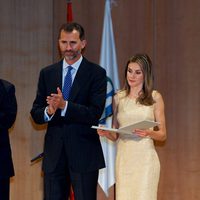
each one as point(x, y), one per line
point(135, 76)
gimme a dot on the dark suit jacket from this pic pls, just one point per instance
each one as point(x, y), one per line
point(85, 106)
point(8, 110)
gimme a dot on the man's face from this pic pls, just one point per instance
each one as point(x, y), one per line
point(71, 46)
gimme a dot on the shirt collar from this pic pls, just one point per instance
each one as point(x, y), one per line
point(75, 65)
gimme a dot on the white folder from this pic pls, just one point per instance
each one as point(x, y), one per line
point(145, 124)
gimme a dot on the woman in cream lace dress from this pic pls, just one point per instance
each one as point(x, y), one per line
point(137, 163)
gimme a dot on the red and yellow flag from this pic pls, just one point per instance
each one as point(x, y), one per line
point(69, 11)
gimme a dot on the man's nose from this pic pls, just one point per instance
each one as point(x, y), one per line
point(68, 46)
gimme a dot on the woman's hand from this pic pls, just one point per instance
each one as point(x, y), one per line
point(103, 133)
point(142, 133)
point(110, 135)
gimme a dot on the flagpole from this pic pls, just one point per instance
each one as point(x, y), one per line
point(108, 61)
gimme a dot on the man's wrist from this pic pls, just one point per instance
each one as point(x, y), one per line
point(63, 105)
point(49, 111)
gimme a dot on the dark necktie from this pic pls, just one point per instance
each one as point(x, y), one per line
point(67, 83)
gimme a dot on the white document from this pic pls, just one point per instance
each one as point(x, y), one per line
point(145, 124)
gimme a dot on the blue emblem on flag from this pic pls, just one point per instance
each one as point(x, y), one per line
point(108, 106)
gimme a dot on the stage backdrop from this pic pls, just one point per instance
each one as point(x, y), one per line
point(167, 30)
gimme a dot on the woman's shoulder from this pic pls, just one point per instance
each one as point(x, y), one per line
point(120, 94)
point(156, 95)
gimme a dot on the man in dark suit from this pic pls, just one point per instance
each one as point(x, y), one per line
point(8, 111)
point(72, 149)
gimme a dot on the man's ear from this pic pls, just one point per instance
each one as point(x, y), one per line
point(83, 42)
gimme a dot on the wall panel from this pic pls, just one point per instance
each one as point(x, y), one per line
point(177, 72)
point(26, 46)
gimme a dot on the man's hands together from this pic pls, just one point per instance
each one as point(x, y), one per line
point(55, 101)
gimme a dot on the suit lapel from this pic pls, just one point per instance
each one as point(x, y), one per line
point(58, 76)
point(81, 75)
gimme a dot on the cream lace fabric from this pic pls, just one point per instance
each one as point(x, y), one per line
point(137, 163)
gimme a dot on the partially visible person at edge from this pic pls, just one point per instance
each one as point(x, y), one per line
point(137, 163)
point(72, 149)
point(8, 112)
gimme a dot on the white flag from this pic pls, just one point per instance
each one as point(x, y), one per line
point(109, 62)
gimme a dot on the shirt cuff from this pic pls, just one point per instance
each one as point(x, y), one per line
point(63, 112)
point(47, 118)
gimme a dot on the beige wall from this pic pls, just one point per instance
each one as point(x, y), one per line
point(26, 46)
point(167, 30)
